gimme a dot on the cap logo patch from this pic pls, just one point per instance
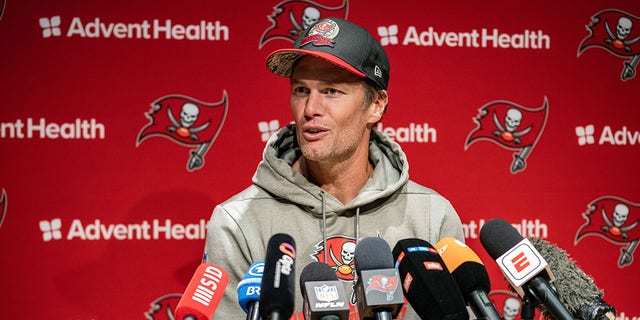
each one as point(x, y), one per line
point(322, 34)
point(377, 72)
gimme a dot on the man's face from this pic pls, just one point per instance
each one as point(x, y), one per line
point(327, 105)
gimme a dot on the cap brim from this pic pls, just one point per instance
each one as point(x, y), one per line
point(281, 61)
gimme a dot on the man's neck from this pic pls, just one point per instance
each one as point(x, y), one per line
point(342, 180)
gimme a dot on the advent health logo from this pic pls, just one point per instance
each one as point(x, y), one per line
point(154, 29)
point(476, 38)
point(607, 135)
point(156, 229)
point(33, 128)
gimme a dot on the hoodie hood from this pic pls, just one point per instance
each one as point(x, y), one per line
point(276, 175)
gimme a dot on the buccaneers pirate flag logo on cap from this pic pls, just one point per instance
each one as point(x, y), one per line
point(294, 16)
point(617, 32)
point(512, 127)
point(616, 220)
point(188, 122)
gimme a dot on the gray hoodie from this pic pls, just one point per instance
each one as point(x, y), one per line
point(281, 200)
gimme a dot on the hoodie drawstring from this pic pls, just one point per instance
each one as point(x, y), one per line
point(357, 227)
point(324, 226)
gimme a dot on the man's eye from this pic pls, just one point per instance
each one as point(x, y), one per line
point(300, 90)
point(331, 91)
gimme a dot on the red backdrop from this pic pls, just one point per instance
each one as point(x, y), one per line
point(103, 208)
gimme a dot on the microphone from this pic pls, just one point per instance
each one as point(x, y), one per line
point(378, 289)
point(471, 276)
point(277, 287)
point(426, 281)
point(323, 294)
point(576, 289)
point(249, 290)
point(523, 266)
point(202, 296)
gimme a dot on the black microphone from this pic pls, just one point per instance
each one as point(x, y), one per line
point(523, 266)
point(471, 276)
point(378, 286)
point(323, 294)
point(577, 290)
point(277, 287)
point(426, 281)
point(249, 290)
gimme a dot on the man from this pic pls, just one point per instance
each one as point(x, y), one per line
point(330, 178)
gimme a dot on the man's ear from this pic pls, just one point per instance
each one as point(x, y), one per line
point(378, 106)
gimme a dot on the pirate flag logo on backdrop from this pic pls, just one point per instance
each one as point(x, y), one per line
point(164, 307)
point(615, 220)
point(2, 5)
point(188, 122)
point(3, 206)
point(291, 17)
point(617, 32)
point(512, 127)
point(509, 304)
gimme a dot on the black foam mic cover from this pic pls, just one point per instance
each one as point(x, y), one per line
point(428, 286)
point(277, 296)
point(316, 271)
point(378, 288)
point(498, 236)
point(373, 253)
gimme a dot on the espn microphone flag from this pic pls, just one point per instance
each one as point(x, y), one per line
point(516, 256)
point(522, 265)
point(203, 294)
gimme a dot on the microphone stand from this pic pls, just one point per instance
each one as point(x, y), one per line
point(528, 310)
point(254, 312)
point(383, 315)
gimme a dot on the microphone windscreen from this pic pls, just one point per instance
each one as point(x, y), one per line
point(202, 296)
point(378, 287)
point(576, 289)
point(316, 271)
point(249, 286)
point(277, 286)
point(372, 253)
point(498, 236)
point(465, 266)
point(429, 287)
